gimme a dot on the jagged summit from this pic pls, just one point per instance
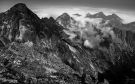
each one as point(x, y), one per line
point(115, 16)
point(97, 15)
point(100, 14)
point(22, 23)
point(20, 10)
point(65, 20)
point(64, 16)
point(113, 19)
point(19, 7)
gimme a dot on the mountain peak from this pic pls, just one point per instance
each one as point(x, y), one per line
point(115, 17)
point(100, 14)
point(17, 18)
point(97, 15)
point(65, 20)
point(65, 15)
point(19, 7)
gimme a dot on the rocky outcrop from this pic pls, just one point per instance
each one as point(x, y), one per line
point(66, 21)
point(19, 24)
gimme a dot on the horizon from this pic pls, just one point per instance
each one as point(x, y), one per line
point(48, 9)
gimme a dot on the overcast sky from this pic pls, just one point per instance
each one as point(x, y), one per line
point(45, 7)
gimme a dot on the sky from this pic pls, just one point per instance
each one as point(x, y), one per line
point(46, 8)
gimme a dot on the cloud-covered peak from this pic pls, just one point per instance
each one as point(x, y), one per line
point(57, 11)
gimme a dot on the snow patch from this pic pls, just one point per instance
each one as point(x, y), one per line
point(87, 43)
point(71, 48)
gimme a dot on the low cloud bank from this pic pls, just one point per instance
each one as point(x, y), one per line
point(127, 16)
point(91, 31)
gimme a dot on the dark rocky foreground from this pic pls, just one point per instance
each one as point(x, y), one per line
point(37, 51)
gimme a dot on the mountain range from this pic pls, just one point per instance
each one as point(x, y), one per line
point(95, 49)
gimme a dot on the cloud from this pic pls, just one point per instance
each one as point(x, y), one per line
point(87, 33)
point(87, 43)
point(91, 37)
point(56, 11)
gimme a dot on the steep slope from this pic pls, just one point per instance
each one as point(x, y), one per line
point(19, 24)
point(66, 21)
point(109, 51)
point(36, 52)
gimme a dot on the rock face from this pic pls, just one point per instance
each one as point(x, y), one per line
point(66, 21)
point(40, 51)
point(19, 24)
point(112, 56)
point(97, 15)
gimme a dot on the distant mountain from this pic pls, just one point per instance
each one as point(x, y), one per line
point(111, 40)
point(113, 19)
point(131, 24)
point(66, 21)
point(97, 15)
point(76, 22)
